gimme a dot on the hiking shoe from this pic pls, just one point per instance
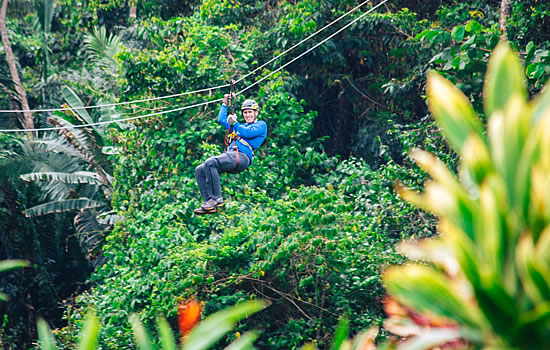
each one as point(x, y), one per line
point(219, 202)
point(202, 211)
point(208, 207)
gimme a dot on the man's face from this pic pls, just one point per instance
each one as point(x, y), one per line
point(250, 115)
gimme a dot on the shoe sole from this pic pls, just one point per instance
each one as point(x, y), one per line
point(205, 211)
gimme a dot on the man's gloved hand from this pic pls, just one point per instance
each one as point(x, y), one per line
point(232, 118)
point(226, 99)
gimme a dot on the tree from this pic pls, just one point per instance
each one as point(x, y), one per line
point(74, 174)
point(26, 121)
point(504, 14)
point(42, 24)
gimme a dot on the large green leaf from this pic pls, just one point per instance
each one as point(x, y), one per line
point(90, 333)
point(58, 145)
point(45, 10)
point(505, 79)
point(508, 131)
point(452, 111)
point(63, 206)
point(143, 340)
point(491, 228)
point(497, 305)
point(535, 277)
point(166, 335)
point(101, 46)
point(81, 177)
point(209, 331)
point(8, 265)
point(423, 288)
point(82, 142)
point(245, 342)
point(464, 248)
point(82, 114)
point(341, 334)
point(47, 342)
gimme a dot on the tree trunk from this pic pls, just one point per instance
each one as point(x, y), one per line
point(133, 9)
point(504, 14)
point(25, 119)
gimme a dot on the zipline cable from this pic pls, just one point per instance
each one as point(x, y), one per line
point(207, 102)
point(304, 40)
point(112, 104)
point(312, 48)
point(190, 92)
point(114, 120)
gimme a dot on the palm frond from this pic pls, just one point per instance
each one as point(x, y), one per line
point(81, 114)
point(109, 218)
point(90, 234)
point(38, 157)
point(63, 206)
point(111, 114)
point(59, 146)
point(45, 10)
point(101, 46)
point(81, 177)
point(82, 142)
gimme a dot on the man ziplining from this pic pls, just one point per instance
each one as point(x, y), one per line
point(241, 141)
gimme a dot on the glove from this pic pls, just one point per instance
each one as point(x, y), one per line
point(231, 119)
point(226, 99)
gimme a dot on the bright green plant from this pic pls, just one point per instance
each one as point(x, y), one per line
point(73, 172)
point(8, 265)
point(206, 333)
point(102, 48)
point(487, 284)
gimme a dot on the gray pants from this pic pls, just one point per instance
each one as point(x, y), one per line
point(208, 173)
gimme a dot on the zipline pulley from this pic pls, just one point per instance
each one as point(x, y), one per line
point(230, 134)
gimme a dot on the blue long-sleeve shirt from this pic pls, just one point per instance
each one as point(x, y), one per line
point(253, 133)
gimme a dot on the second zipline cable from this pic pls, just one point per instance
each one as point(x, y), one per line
point(196, 91)
point(218, 100)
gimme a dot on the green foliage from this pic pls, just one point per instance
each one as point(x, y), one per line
point(463, 53)
point(528, 20)
point(8, 265)
point(490, 290)
point(359, 96)
point(205, 334)
point(47, 242)
point(102, 48)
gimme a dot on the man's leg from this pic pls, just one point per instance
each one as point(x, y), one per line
point(213, 167)
point(200, 175)
point(208, 178)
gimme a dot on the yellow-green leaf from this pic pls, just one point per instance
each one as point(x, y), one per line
point(424, 288)
point(534, 277)
point(452, 111)
point(90, 333)
point(505, 78)
point(476, 158)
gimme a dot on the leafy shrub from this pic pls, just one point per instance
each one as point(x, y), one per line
point(486, 284)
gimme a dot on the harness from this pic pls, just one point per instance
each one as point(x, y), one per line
point(231, 135)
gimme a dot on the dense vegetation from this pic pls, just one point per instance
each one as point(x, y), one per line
point(105, 214)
